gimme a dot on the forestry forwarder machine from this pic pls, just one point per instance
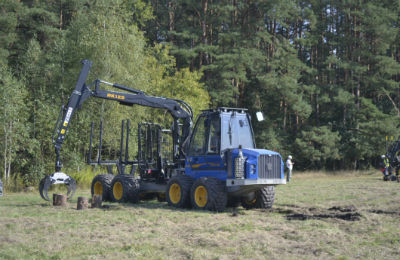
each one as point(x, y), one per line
point(211, 167)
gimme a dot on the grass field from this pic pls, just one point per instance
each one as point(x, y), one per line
point(315, 216)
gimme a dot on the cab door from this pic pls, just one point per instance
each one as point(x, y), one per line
point(204, 156)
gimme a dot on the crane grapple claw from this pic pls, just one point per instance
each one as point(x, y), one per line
point(57, 178)
point(71, 188)
point(44, 186)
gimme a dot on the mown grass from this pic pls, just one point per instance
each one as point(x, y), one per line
point(31, 228)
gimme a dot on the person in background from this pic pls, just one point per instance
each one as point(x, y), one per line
point(386, 164)
point(289, 165)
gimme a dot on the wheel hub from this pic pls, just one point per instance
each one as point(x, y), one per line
point(98, 188)
point(175, 193)
point(200, 196)
point(118, 190)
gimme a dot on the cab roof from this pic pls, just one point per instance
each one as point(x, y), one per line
point(225, 109)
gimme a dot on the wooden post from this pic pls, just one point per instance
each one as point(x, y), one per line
point(96, 201)
point(59, 200)
point(83, 203)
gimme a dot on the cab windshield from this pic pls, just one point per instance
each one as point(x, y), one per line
point(236, 131)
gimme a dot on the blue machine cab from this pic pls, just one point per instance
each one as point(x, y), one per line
point(222, 146)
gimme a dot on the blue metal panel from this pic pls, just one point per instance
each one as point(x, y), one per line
point(214, 165)
point(252, 156)
point(206, 166)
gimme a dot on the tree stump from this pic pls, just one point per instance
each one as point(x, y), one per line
point(83, 203)
point(59, 200)
point(96, 201)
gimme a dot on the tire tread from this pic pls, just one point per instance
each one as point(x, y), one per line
point(105, 180)
point(130, 186)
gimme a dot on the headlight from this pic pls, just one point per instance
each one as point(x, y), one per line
point(252, 169)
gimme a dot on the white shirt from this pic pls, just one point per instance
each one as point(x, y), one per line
point(289, 164)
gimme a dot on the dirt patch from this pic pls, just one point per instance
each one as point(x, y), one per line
point(344, 209)
point(280, 210)
point(291, 206)
point(6, 240)
point(386, 212)
point(353, 216)
point(347, 213)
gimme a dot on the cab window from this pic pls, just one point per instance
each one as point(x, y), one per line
point(213, 146)
point(197, 146)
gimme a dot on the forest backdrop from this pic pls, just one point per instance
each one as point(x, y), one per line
point(325, 74)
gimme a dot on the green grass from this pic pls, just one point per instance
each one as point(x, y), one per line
point(31, 228)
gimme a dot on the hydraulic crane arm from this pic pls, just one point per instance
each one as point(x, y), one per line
point(178, 109)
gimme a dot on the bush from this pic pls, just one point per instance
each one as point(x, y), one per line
point(14, 184)
point(34, 175)
point(83, 177)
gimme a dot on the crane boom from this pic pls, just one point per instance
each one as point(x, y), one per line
point(178, 109)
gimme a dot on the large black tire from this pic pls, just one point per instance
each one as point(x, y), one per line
point(209, 194)
point(264, 199)
point(101, 185)
point(125, 188)
point(178, 191)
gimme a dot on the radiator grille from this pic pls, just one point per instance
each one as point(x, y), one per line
point(239, 167)
point(269, 167)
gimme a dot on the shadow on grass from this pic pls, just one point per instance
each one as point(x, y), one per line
point(111, 206)
point(385, 212)
point(294, 212)
point(349, 173)
point(151, 205)
point(289, 211)
point(164, 206)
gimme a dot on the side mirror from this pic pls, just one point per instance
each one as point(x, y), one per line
point(260, 116)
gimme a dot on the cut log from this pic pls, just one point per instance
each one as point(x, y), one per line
point(83, 203)
point(96, 201)
point(59, 200)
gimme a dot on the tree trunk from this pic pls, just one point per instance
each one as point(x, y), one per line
point(284, 114)
point(83, 203)
point(358, 91)
point(10, 143)
point(317, 110)
point(96, 201)
point(60, 200)
point(355, 164)
point(5, 159)
point(61, 18)
point(203, 55)
point(171, 16)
